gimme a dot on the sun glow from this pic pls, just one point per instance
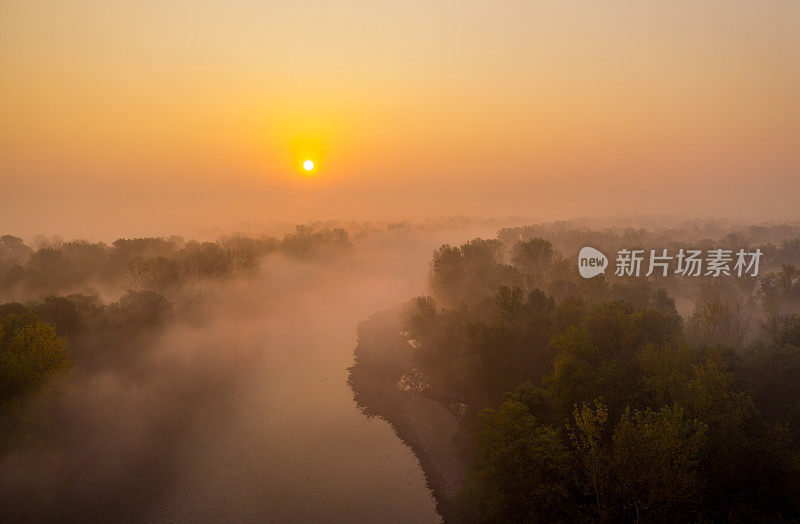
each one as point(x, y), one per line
point(308, 165)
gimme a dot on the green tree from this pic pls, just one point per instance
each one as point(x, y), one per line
point(599, 358)
point(520, 471)
point(592, 455)
point(31, 352)
point(656, 462)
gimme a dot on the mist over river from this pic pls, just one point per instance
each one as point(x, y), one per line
point(295, 447)
point(238, 409)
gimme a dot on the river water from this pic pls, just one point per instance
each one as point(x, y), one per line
point(295, 447)
point(240, 411)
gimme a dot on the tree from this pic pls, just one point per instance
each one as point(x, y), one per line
point(722, 314)
point(587, 438)
point(512, 346)
point(656, 462)
point(599, 358)
point(31, 352)
point(521, 468)
point(711, 398)
point(780, 291)
point(533, 258)
point(156, 273)
point(780, 300)
point(470, 272)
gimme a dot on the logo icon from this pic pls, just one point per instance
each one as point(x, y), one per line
point(591, 262)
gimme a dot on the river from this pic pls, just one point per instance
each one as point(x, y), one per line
point(296, 448)
point(239, 411)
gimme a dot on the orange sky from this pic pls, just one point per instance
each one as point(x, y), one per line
point(154, 117)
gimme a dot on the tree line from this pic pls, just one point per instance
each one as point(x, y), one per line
point(53, 332)
point(55, 266)
point(595, 400)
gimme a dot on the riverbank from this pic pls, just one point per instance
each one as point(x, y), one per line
point(428, 427)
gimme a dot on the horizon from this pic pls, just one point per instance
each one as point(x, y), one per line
point(139, 115)
point(454, 262)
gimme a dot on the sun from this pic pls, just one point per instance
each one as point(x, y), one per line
point(308, 165)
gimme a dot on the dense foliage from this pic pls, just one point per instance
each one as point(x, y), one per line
point(596, 400)
point(55, 324)
point(31, 352)
point(155, 264)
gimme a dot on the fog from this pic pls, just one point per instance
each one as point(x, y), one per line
point(319, 261)
point(174, 380)
point(238, 409)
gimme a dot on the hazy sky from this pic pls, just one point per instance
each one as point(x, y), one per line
point(156, 116)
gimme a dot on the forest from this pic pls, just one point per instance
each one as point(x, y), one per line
point(612, 398)
point(526, 392)
point(155, 272)
point(94, 372)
